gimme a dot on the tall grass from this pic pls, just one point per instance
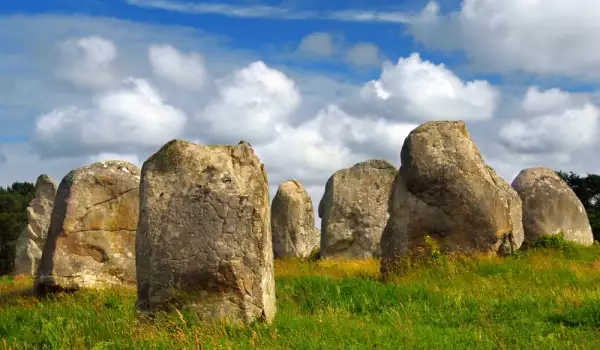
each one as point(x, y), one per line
point(545, 297)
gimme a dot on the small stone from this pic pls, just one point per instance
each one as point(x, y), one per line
point(293, 222)
point(550, 206)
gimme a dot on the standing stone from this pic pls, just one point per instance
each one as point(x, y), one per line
point(28, 249)
point(91, 239)
point(293, 222)
point(204, 237)
point(354, 209)
point(551, 206)
point(445, 190)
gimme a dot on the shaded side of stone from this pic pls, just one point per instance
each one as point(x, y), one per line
point(353, 210)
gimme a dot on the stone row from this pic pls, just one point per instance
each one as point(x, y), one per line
point(194, 227)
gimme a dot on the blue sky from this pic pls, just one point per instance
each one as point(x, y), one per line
point(315, 86)
point(246, 32)
point(258, 33)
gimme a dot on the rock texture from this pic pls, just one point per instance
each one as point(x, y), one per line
point(91, 239)
point(204, 236)
point(445, 189)
point(551, 206)
point(293, 222)
point(28, 249)
point(354, 209)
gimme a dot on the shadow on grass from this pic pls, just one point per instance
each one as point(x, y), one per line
point(585, 315)
point(9, 298)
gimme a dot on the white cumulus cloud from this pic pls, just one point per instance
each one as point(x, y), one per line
point(304, 153)
point(317, 44)
point(366, 135)
point(536, 101)
point(541, 37)
point(552, 121)
point(253, 103)
point(420, 90)
point(363, 54)
point(185, 70)
point(87, 61)
point(332, 140)
point(130, 116)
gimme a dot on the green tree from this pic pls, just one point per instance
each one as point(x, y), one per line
point(22, 188)
point(587, 189)
point(13, 218)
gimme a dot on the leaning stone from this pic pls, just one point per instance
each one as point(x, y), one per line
point(446, 191)
point(28, 249)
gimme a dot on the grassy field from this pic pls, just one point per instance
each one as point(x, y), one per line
point(544, 298)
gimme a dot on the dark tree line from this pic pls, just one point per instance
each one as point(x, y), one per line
point(15, 199)
point(13, 218)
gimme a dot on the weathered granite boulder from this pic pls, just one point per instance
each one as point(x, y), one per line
point(551, 206)
point(354, 209)
point(28, 249)
point(444, 189)
point(91, 239)
point(204, 237)
point(293, 222)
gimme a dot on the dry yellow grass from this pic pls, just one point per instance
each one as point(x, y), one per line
point(337, 268)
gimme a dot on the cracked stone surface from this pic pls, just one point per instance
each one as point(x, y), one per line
point(354, 209)
point(204, 236)
point(445, 189)
point(29, 245)
point(293, 222)
point(551, 206)
point(91, 238)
